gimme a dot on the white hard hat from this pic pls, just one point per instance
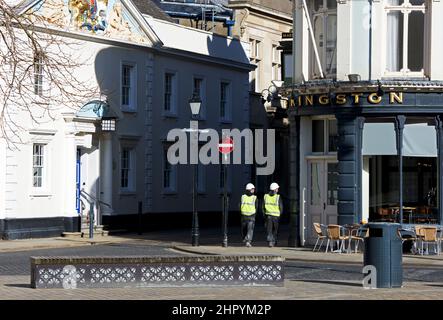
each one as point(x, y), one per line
point(250, 186)
point(274, 186)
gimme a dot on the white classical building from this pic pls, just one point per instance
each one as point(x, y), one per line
point(146, 70)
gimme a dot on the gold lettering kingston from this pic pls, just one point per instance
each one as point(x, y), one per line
point(342, 99)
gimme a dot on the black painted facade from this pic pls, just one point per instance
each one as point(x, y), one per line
point(12, 229)
point(418, 99)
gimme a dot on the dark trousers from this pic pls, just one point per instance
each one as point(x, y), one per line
point(272, 228)
point(247, 227)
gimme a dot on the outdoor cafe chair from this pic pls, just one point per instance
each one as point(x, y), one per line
point(335, 234)
point(418, 236)
point(409, 236)
point(440, 239)
point(429, 235)
point(358, 235)
point(320, 235)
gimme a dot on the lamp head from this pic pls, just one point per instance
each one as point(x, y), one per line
point(195, 104)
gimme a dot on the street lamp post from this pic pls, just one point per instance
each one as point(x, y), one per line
point(225, 147)
point(195, 104)
point(225, 202)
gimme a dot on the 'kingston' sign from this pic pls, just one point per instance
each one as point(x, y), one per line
point(345, 99)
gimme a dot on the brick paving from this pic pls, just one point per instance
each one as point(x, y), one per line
point(312, 280)
point(306, 254)
point(17, 287)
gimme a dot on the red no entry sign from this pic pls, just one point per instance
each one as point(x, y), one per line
point(226, 146)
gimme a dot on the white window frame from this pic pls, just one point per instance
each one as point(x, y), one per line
point(227, 116)
point(132, 105)
point(276, 62)
point(42, 137)
point(38, 75)
point(323, 13)
point(406, 8)
point(132, 172)
point(43, 157)
point(173, 111)
point(172, 188)
point(45, 189)
point(202, 114)
point(256, 59)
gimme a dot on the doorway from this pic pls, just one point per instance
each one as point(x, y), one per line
point(322, 194)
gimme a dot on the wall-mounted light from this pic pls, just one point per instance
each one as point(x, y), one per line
point(108, 124)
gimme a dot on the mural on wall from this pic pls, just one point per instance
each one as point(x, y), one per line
point(102, 17)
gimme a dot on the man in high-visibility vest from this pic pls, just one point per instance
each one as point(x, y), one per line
point(272, 209)
point(248, 208)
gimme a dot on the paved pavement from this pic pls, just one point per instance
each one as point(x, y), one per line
point(306, 254)
point(308, 275)
point(17, 287)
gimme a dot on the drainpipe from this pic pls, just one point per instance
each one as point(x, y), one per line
point(229, 24)
point(370, 40)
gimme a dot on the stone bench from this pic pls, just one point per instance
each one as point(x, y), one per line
point(156, 271)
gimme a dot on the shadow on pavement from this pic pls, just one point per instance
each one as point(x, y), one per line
point(437, 258)
point(435, 285)
point(338, 283)
point(18, 285)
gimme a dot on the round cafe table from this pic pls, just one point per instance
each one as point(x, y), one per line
point(350, 228)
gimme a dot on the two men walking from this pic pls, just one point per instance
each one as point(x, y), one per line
point(272, 207)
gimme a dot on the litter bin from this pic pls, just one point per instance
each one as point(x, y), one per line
point(383, 250)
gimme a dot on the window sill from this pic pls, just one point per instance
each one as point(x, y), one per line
point(170, 115)
point(169, 193)
point(127, 193)
point(419, 76)
point(200, 193)
point(128, 109)
point(43, 194)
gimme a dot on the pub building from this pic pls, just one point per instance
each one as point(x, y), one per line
point(366, 113)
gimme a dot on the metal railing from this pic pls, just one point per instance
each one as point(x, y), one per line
point(92, 201)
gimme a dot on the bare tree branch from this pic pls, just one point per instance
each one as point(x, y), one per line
point(39, 70)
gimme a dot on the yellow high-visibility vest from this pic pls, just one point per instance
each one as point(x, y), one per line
point(247, 207)
point(272, 207)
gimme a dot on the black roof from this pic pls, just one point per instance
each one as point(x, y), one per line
point(149, 7)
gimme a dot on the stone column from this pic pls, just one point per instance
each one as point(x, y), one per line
point(439, 129)
point(294, 181)
point(106, 172)
point(360, 127)
point(399, 127)
point(70, 174)
point(349, 154)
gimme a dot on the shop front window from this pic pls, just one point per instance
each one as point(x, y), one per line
point(381, 172)
point(419, 189)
